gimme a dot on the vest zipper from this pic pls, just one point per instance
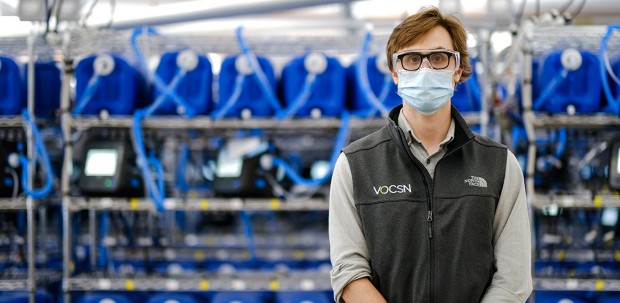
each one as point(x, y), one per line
point(432, 243)
point(429, 205)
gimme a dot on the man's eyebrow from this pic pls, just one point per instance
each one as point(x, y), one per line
point(429, 49)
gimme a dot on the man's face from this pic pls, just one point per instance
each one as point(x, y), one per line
point(436, 38)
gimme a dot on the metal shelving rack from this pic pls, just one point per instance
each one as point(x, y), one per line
point(541, 201)
point(10, 204)
point(203, 205)
point(24, 281)
point(240, 281)
point(577, 284)
point(86, 42)
point(17, 281)
point(538, 41)
point(245, 281)
point(21, 281)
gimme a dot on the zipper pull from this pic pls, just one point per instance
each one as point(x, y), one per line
point(429, 218)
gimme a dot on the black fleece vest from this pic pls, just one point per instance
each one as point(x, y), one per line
point(430, 240)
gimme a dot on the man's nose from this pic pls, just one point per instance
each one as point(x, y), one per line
point(425, 63)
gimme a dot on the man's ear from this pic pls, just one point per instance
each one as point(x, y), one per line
point(395, 77)
point(457, 75)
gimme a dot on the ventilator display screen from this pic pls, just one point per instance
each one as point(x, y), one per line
point(617, 162)
point(101, 162)
point(609, 217)
point(227, 166)
point(614, 166)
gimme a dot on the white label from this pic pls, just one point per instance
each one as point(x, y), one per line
point(238, 285)
point(572, 284)
point(307, 284)
point(170, 204)
point(172, 285)
point(104, 284)
point(105, 202)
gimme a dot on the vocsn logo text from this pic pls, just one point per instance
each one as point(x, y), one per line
point(392, 189)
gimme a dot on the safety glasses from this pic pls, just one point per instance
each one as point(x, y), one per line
point(411, 60)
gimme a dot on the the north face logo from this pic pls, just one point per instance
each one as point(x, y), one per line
point(476, 181)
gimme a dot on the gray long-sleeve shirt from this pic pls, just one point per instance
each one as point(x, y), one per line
point(511, 228)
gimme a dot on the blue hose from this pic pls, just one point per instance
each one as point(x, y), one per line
point(341, 139)
point(220, 113)
point(249, 233)
point(559, 150)
point(103, 232)
point(168, 93)
point(156, 192)
point(91, 89)
point(301, 99)
point(613, 103)
point(263, 83)
point(167, 90)
point(180, 173)
point(475, 89)
point(159, 170)
point(550, 89)
point(361, 76)
point(21, 223)
point(161, 99)
point(383, 95)
point(42, 157)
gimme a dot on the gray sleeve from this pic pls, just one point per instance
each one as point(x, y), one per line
point(512, 281)
point(348, 250)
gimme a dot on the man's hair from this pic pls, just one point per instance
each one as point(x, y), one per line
point(418, 24)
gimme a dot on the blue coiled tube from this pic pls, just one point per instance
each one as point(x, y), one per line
point(258, 72)
point(613, 103)
point(40, 156)
point(361, 76)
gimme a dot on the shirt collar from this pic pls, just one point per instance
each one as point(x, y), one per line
point(404, 125)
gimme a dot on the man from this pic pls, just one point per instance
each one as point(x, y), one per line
point(424, 210)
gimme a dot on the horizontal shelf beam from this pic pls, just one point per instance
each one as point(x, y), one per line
point(215, 204)
point(578, 255)
point(576, 284)
point(575, 121)
point(224, 124)
point(541, 201)
point(11, 121)
point(13, 284)
point(13, 204)
point(245, 281)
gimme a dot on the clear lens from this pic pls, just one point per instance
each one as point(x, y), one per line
point(413, 60)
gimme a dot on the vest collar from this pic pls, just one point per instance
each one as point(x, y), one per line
point(462, 132)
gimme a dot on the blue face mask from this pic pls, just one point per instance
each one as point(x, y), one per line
point(427, 90)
